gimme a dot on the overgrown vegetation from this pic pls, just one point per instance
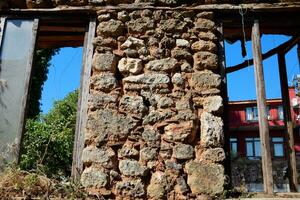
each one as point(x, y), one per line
point(39, 76)
point(48, 141)
point(17, 183)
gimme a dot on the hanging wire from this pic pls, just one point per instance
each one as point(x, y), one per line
point(242, 13)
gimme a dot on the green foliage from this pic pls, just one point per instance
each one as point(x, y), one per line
point(39, 76)
point(48, 142)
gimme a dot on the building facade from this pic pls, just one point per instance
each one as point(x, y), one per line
point(245, 140)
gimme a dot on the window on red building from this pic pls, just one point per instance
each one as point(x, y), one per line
point(278, 147)
point(252, 113)
point(233, 146)
point(280, 112)
point(253, 148)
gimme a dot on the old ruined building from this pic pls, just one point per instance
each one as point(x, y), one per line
point(150, 122)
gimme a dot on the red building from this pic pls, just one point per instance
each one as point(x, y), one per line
point(245, 142)
point(243, 126)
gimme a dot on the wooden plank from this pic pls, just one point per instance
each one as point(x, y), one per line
point(60, 38)
point(262, 110)
point(27, 84)
point(259, 7)
point(77, 165)
point(62, 29)
point(289, 135)
point(54, 44)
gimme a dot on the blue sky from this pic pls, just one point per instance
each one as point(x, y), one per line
point(63, 76)
point(64, 73)
point(241, 84)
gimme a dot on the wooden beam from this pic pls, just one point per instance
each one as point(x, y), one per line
point(61, 38)
point(289, 134)
point(284, 47)
point(62, 29)
point(262, 109)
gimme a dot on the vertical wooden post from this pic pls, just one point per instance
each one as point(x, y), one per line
point(289, 135)
point(262, 114)
point(77, 165)
point(224, 94)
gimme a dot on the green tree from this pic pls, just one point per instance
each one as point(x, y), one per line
point(48, 141)
point(39, 76)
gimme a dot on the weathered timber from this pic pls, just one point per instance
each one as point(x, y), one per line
point(25, 98)
point(261, 7)
point(289, 135)
point(286, 46)
point(262, 114)
point(83, 100)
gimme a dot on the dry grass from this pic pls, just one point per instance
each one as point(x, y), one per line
point(15, 183)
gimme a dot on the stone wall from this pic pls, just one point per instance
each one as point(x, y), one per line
point(154, 129)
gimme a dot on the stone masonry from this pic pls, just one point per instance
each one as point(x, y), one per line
point(154, 129)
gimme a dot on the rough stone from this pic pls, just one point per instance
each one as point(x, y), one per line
point(105, 62)
point(108, 125)
point(104, 17)
point(205, 60)
point(93, 177)
point(38, 3)
point(103, 156)
point(167, 42)
point(177, 79)
point(150, 79)
point(112, 28)
point(178, 132)
point(157, 187)
point(131, 188)
point(132, 168)
point(172, 165)
point(183, 151)
point(128, 152)
point(105, 42)
point(214, 155)
point(103, 82)
point(182, 43)
point(205, 80)
point(213, 104)
point(130, 66)
point(133, 105)
point(181, 54)
point(206, 15)
point(203, 45)
point(100, 100)
point(148, 153)
point(208, 36)
point(133, 43)
point(140, 25)
point(186, 67)
point(165, 102)
point(205, 24)
point(181, 187)
point(205, 178)
point(149, 135)
point(167, 64)
point(211, 130)
point(123, 16)
point(156, 116)
point(131, 53)
point(173, 25)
